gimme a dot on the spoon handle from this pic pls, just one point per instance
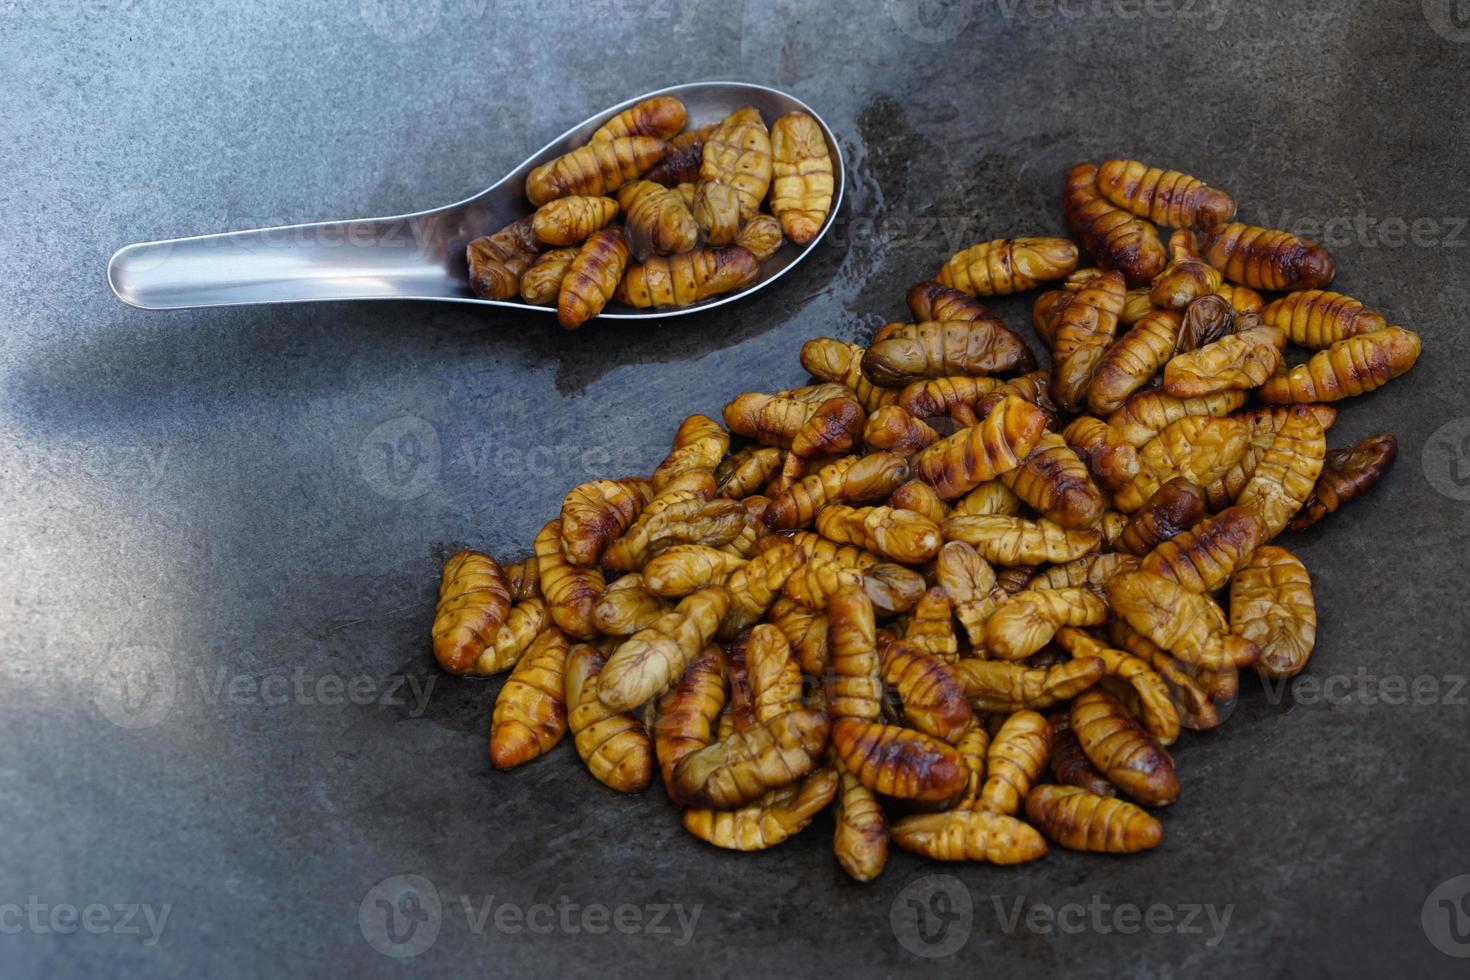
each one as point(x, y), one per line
point(403, 257)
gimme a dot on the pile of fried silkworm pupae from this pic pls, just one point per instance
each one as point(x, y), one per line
point(967, 602)
point(689, 203)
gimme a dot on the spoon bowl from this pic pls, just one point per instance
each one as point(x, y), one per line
point(420, 255)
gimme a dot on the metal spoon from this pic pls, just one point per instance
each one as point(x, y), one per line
point(414, 256)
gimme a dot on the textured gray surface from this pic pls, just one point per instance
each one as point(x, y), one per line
point(204, 547)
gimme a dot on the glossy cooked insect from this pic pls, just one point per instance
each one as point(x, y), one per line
point(594, 514)
point(653, 659)
point(1008, 265)
point(572, 220)
point(1148, 694)
point(760, 236)
point(680, 164)
point(598, 168)
point(686, 568)
point(474, 601)
point(1025, 622)
point(852, 479)
point(1318, 318)
point(897, 761)
point(1147, 413)
point(1069, 764)
point(700, 443)
point(1011, 541)
point(626, 606)
point(772, 419)
point(1346, 475)
point(1170, 510)
point(1206, 320)
point(999, 686)
point(842, 363)
point(775, 678)
point(1116, 240)
point(1271, 604)
point(970, 582)
point(930, 626)
point(1192, 703)
point(767, 755)
point(1166, 197)
point(570, 590)
point(614, 745)
point(738, 153)
point(656, 219)
point(1053, 481)
point(1353, 366)
point(956, 396)
point(690, 277)
point(685, 521)
point(593, 277)
point(898, 535)
point(1186, 278)
point(1197, 447)
point(524, 580)
point(929, 300)
point(497, 262)
point(981, 452)
point(1242, 299)
point(1015, 761)
point(745, 471)
point(806, 630)
point(773, 818)
point(990, 497)
point(919, 497)
point(685, 720)
point(523, 624)
point(754, 586)
point(1104, 452)
point(530, 714)
point(933, 699)
point(801, 189)
point(1263, 258)
point(1122, 750)
point(861, 840)
point(939, 348)
point(1236, 361)
point(742, 697)
point(1203, 558)
point(853, 678)
point(1082, 821)
point(1089, 572)
point(542, 281)
point(716, 211)
point(1083, 332)
point(1133, 360)
point(895, 430)
point(1186, 624)
point(969, 835)
point(1287, 472)
point(661, 116)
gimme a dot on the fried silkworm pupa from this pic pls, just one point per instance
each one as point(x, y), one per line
point(969, 835)
point(686, 521)
point(596, 169)
point(680, 164)
point(1352, 366)
point(1186, 278)
point(775, 678)
point(801, 192)
point(626, 606)
point(1015, 761)
point(570, 590)
point(1147, 694)
point(1069, 764)
point(572, 220)
point(990, 497)
point(853, 685)
point(690, 277)
point(1008, 265)
point(497, 262)
point(1103, 450)
point(613, 744)
point(933, 700)
point(1264, 258)
point(1238, 360)
point(1147, 413)
point(1206, 320)
point(765, 756)
point(898, 761)
point(760, 236)
point(700, 443)
point(474, 601)
point(754, 586)
point(929, 300)
point(1318, 319)
point(971, 456)
point(1192, 703)
point(594, 514)
point(842, 363)
point(1346, 475)
point(742, 696)
point(919, 497)
point(998, 686)
point(956, 396)
point(895, 430)
point(747, 470)
point(1165, 197)
point(661, 116)
point(686, 717)
point(852, 479)
point(1089, 572)
point(653, 659)
point(860, 843)
point(530, 714)
point(1053, 481)
point(1286, 473)
point(1123, 750)
point(542, 282)
point(1271, 605)
point(936, 349)
point(1172, 509)
point(1083, 333)
point(931, 626)
point(1116, 239)
point(1199, 448)
point(716, 211)
point(971, 585)
point(524, 580)
point(1011, 541)
point(738, 153)
point(898, 535)
point(778, 815)
point(592, 278)
point(1025, 622)
point(656, 219)
point(1203, 558)
point(687, 568)
point(1082, 821)
point(525, 622)
point(1187, 624)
